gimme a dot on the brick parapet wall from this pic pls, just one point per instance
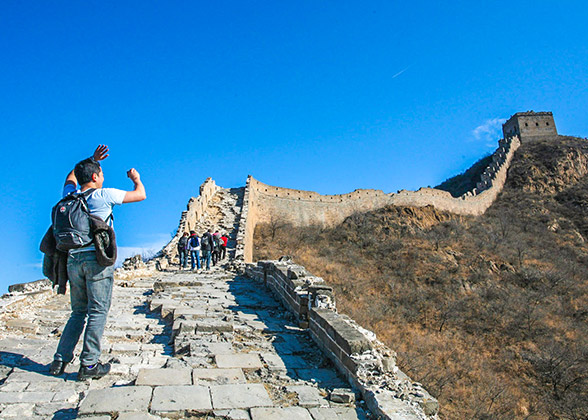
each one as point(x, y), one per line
point(306, 208)
point(245, 231)
point(366, 362)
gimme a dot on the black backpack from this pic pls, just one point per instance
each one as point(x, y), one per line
point(183, 242)
point(205, 242)
point(70, 219)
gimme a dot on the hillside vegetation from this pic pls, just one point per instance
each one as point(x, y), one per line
point(490, 313)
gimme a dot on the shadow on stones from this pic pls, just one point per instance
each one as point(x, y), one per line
point(9, 361)
point(160, 338)
point(301, 357)
point(232, 243)
point(65, 414)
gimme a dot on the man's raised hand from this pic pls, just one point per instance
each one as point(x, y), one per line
point(100, 153)
point(138, 194)
point(133, 175)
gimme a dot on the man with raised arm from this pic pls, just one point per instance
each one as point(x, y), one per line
point(90, 283)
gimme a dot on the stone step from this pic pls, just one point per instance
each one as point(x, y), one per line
point(239, 354)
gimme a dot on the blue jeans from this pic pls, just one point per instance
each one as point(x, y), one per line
point(183, 257)
point(195, 258)
point(206, 257)
point(91, 293)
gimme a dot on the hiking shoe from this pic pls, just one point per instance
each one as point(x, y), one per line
point(93, 372)
point(57, 368)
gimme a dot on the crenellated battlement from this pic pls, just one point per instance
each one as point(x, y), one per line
point(530, 126)
point(266, 204)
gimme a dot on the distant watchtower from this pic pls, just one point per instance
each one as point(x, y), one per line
point(530, 126)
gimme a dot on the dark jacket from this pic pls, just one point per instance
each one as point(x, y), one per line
point(183, 243)
point(55, 261)
point(206, 242)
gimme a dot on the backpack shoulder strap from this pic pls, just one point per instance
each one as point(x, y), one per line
point(87, 194)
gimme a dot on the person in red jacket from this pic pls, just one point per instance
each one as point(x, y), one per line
point(223, 246)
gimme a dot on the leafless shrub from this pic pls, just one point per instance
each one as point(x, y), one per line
point(275, 223)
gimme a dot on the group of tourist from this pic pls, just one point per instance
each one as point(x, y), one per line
point(202, 249)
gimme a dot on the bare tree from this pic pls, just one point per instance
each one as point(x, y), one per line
point(275, 223)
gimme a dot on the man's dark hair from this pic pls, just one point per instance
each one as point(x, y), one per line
point(85, 169)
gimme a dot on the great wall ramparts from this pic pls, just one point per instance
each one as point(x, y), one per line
point(214, 343)
point(265, 203)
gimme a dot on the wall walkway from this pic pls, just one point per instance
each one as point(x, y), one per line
point(268, 204)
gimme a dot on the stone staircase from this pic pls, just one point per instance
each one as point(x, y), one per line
point(211, 344)
point(223, 214)
point(182, 345)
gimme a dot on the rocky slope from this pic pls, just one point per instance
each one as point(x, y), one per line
point(488, 312)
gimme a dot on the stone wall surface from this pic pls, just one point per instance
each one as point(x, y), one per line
point(208, 344)
point(269, 204)
point(530, 126)
point(212, 342)
point(366, 362)
point(246, 227)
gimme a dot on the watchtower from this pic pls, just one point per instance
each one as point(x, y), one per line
point(530, 126)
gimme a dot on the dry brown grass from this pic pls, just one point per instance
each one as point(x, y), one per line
point(489, 313)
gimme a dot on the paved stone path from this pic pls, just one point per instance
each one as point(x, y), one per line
point(224, 214)
point(210, 345)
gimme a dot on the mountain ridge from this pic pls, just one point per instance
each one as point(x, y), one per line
point(488, 311)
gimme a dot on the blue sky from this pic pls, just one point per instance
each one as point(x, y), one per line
point(327, 96)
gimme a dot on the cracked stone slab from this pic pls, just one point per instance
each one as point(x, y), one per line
point(239, 396)
point(126, 347)
point(14, 386)
point(68, 395)
point(184, 326)
point(25, 397)
point(157, 304)
point(168, 399)
point(234, 414)
point(22, 325)
point(338, 413)
point(213, 325)
point(18, 411)
point(49, 386)
point(244, 361)
point(201, 348)
point(137, 416)
point(308, 396)
point(112, 400)
point(290, 413)
point(189, 313)
point(56, 410)
point(322, 377)
point(394, 408)
point(285, 362)
point(24, 376)
point(218, 376)
point(160, 377)
point(342, 395)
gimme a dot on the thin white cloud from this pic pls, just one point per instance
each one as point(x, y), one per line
point(34, 265)
point(489, 132)
point(400, 72)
